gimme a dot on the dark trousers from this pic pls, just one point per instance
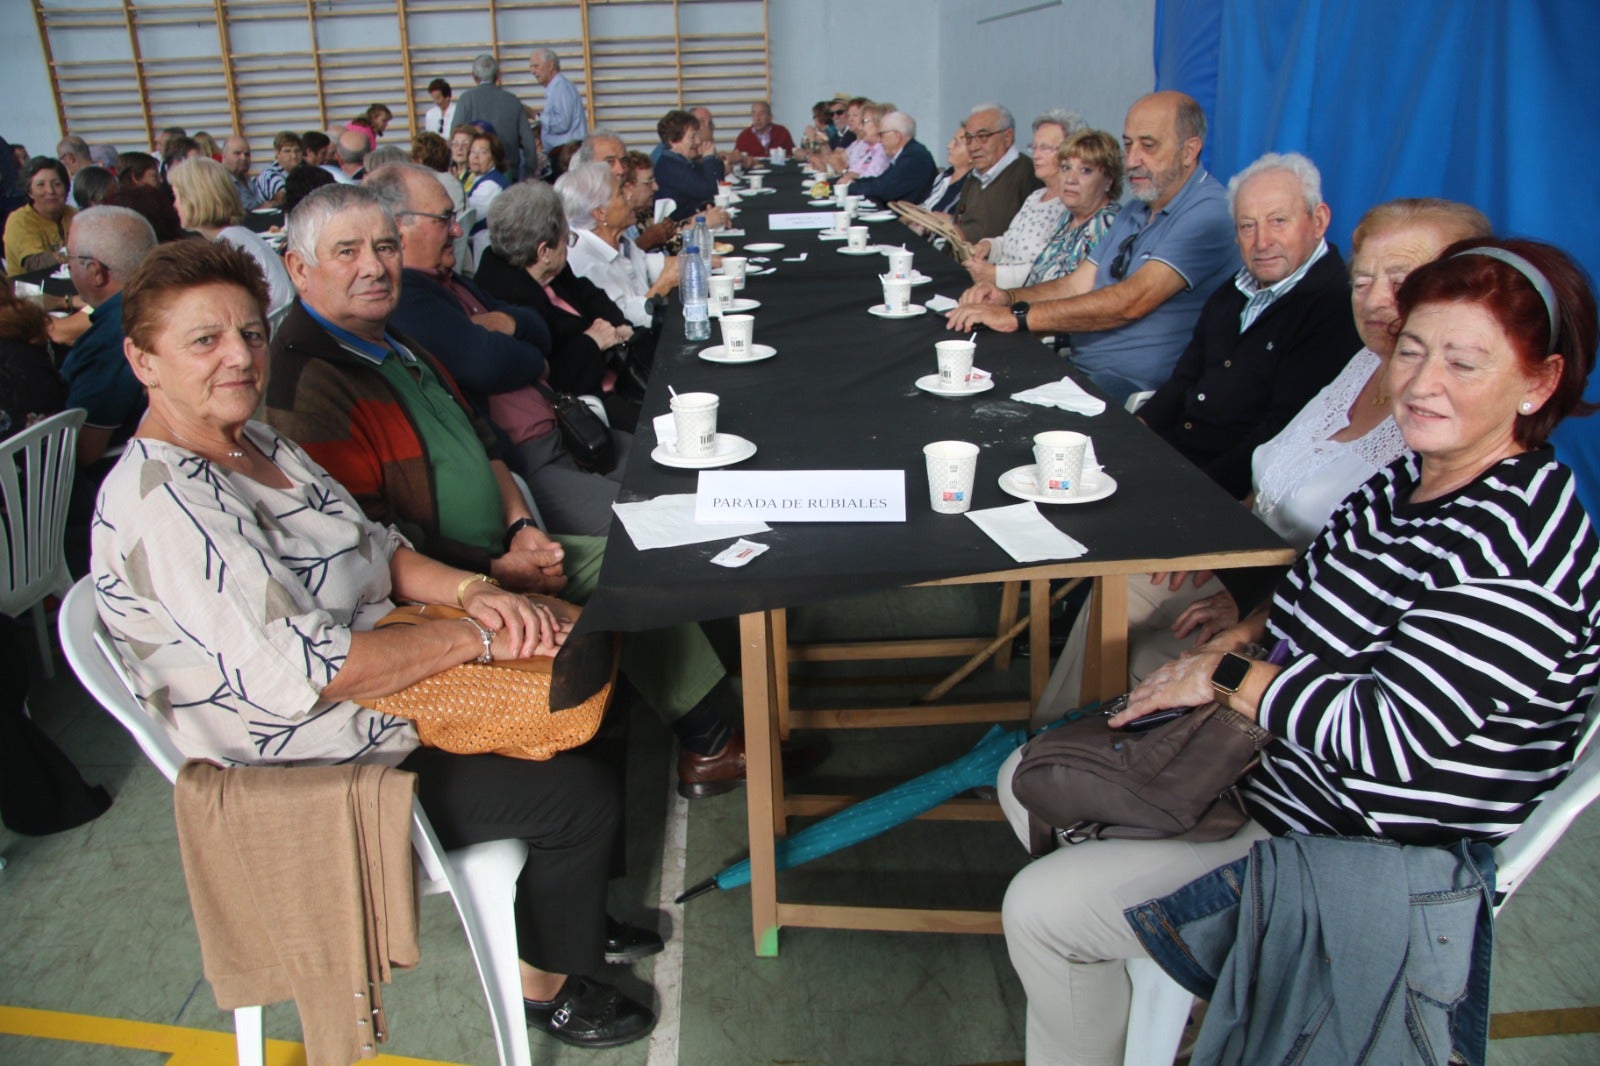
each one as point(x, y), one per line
point(566, 808)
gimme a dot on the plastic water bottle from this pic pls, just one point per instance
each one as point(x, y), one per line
point(695, 293)
point(702, 241)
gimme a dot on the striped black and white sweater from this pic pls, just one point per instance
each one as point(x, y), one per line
point(1442, 658)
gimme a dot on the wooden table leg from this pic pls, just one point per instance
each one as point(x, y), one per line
point(1105, 667)
point(1010, 598)
point(780, 667)
point(1039, 639)
point(764, 807)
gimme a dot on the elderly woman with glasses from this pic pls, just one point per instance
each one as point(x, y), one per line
point(597, 211)
point(526, 263)
point(1010, 256)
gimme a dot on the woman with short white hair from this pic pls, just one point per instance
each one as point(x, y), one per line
point(599, 214)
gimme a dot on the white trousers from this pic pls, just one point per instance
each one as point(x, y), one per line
point(1151, 612)
point(1067, 936)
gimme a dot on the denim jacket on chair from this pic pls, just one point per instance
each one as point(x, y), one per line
point(1334, 950)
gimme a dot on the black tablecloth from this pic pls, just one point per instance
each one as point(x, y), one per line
point(53, 286)
point(839, 395)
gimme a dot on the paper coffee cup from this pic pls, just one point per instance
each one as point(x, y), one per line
point(779, 156)
point(737, 332)
point(757, 180)
point(897, 296)
point(735, 267)
point(857, 237)
point(952, 465)
point(841, 189)
point(722, 287)
point(723, 198)
point(1059, 455)
point(899, 263)
point(955, 363)
point(841, 221)
point(852, 204)
point(694, 417)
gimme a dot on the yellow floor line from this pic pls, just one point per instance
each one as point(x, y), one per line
point(1563, 1022)
point(188, 1047)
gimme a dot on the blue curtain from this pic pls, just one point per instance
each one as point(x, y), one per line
point(1491, 102)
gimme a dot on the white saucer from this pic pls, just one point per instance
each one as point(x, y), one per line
point(762, 170)
point(730, 450)
point(930, 383)
point(919, 278)
point(749, 271)
point(764, 246)
point(832, 234)
point(1022, 482)
point(740, 306)
point(877, 216)
point(823, 203)
point(756, 192)
point(882, 311)
point(758, 352)
point(871, 249)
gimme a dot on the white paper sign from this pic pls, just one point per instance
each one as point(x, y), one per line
point(800, 220)
point(801, 496)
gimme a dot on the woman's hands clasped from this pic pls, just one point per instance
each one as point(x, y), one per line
point(523, 626)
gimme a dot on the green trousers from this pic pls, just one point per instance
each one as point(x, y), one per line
point(674, 668)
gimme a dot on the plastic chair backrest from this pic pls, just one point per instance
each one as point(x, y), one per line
point(36, 468)
point(1137, 400)
point(466, 261)
point(1523, 850)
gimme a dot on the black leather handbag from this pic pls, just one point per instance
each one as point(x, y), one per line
point(585, 437)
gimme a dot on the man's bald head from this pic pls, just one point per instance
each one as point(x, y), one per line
point(1161, 140)
point(353, 147)
point(236, 156)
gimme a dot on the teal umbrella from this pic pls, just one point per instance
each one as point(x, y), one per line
point(878, 814)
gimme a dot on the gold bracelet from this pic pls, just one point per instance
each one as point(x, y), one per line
point(461, 589)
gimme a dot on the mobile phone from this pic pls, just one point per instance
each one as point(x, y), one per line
point(1155, 718)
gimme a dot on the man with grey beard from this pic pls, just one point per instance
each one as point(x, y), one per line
point(1132, 305)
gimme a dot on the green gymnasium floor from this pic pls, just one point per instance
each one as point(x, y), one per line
point(99, 965)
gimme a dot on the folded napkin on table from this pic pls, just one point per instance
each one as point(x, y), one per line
point(1025, 533)
point(801, 258)
point(1064, 394)
point(668, 521)
point(940, 303)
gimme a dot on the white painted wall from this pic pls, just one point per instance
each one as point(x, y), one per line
point(938, 58)
point(29, 116)
point(934, 58)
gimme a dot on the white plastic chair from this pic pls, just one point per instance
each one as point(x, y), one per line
point(466, 258)
point(480, 879)
point(36, 468)
point(1160, 1006)
point(1137, 400)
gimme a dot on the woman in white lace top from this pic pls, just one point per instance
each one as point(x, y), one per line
point(1337, 441)
point(1005, 260)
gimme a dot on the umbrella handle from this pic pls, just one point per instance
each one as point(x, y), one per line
point(966, 669)
point(708, 885)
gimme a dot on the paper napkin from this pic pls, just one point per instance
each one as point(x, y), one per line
point(1025, 533)
point(668, 521)
point(1064, 394)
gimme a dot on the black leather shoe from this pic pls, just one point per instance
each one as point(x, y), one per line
point(587, 1013)
point(628, 943)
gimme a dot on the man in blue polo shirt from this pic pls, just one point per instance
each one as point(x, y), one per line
point(104, 247)
point(1132, 306)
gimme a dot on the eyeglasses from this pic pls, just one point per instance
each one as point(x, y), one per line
point(83, 258)
point(1119, 265)
point(981, 135)
point(572, 238)
point(448, 217)
point(840, 111)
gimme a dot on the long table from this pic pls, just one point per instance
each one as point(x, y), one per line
point(839, 395)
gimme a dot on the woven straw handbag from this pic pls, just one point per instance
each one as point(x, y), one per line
point(525, 708)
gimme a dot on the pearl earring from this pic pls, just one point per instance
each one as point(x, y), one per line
point(1527, 406)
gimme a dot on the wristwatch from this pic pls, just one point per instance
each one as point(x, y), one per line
point(1020, 311)
point(517, 527)
point(1230, 673)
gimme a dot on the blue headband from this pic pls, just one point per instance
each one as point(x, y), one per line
point(1536, 278)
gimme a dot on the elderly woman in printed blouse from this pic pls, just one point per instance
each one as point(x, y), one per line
point(241, 585)
point(1433, 651)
